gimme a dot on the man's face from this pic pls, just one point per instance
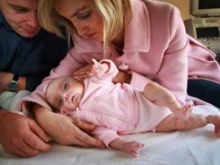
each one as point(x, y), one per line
point(21, 15)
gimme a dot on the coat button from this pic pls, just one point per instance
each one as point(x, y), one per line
point(123, 66)
point(77, 109)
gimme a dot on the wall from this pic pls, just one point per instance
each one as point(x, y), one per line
point(183, 6)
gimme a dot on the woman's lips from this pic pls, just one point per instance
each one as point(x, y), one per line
point(91, 35)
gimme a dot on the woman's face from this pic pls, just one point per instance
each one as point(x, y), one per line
point(84, 17)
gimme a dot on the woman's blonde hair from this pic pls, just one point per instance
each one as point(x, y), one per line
point(113, 13)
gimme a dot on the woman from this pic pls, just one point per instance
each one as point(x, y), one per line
point(145, 39)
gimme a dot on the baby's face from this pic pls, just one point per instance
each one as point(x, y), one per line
point(65, 94)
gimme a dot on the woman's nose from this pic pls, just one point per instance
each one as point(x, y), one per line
point(81, 29)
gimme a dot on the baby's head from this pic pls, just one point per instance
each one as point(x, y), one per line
point(64, 94)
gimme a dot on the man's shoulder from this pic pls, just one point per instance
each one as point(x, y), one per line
point(2, 19)
point(51, 36)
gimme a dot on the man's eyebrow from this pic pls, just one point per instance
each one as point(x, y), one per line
point(77, 11)
point(17, 6)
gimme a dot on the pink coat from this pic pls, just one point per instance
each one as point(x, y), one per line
point(156, 48)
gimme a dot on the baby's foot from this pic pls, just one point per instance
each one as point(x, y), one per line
point(185, 111)
point(215, 119)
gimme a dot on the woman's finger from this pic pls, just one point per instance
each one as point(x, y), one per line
point(83, 143)
point(83, 125)
point(78, 142)
point(79, 134)
point(90, 140)
point(80, 72)
point(82, 77)
point(83, 71)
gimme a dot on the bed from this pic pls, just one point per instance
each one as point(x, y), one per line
point(192, 147)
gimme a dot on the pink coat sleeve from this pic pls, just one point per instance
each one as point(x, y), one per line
point(173, 72)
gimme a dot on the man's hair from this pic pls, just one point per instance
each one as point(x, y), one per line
point(115, 14)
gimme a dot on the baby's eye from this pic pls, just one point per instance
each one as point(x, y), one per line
point(65, 87)
point(60, 103)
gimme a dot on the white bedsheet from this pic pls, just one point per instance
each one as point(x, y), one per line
point(193, 147)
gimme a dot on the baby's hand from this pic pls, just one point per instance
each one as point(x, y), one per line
point(185, 111)
point(98, 69)
point(133, 148)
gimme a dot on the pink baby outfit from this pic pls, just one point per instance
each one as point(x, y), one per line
point(156, 48)
point(116, 108)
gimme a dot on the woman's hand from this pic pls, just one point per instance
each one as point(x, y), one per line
point(122, 77)
point(84, 72)
point(63, 130)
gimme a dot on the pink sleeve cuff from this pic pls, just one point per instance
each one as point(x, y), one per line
point(105, 135)
point(138, 81)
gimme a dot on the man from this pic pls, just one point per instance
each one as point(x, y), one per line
point(27, 54)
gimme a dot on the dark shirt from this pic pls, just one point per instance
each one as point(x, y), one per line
point(32, 58)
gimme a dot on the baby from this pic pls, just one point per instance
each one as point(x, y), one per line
point(118, 109)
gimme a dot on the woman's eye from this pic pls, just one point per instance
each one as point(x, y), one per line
point(83, 15)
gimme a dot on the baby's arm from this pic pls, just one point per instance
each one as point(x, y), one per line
point(131, 147)
point(99, 68)
point(163, 97)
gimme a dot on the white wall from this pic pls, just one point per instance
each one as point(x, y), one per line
point(183, 6)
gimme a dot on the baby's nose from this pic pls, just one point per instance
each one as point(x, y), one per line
point(66, 95)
